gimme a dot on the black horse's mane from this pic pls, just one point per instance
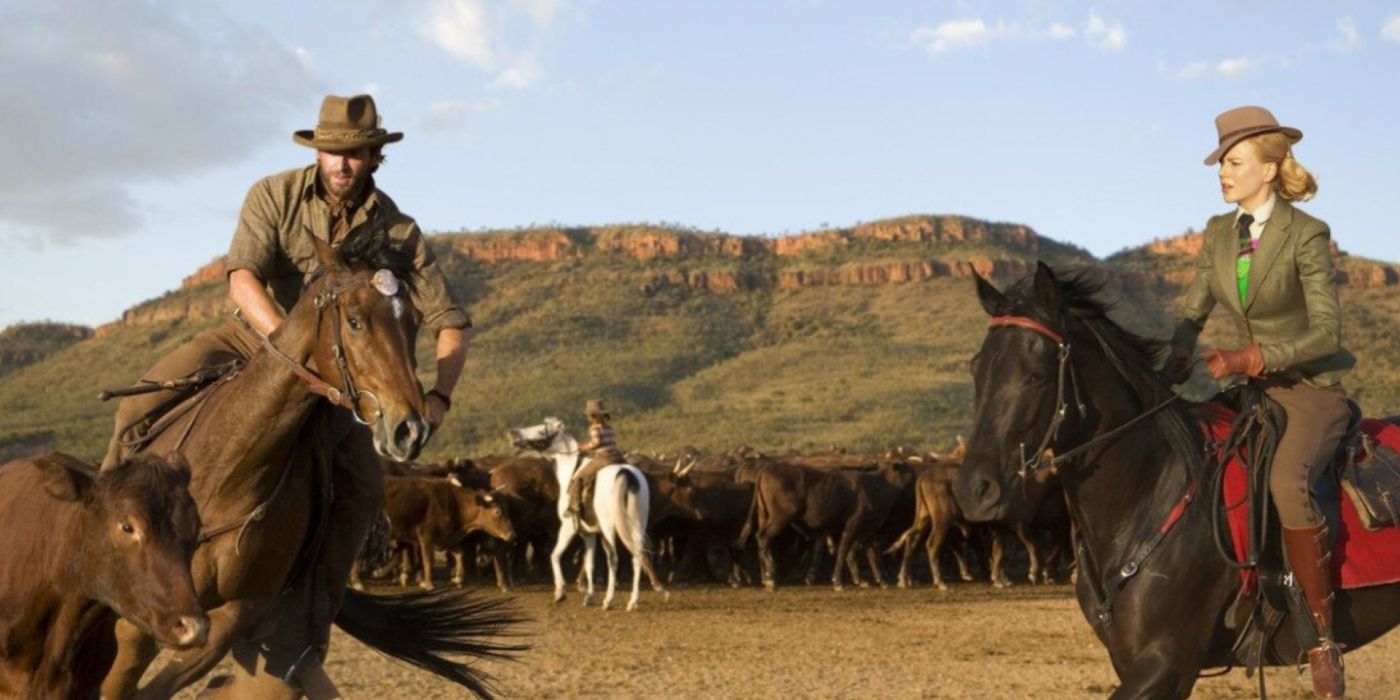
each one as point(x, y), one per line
point(1133, 356)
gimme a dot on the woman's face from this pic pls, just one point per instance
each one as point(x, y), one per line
point(1244, 178)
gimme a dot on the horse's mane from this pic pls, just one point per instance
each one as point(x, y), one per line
point(1134, 357)
point(367, 249)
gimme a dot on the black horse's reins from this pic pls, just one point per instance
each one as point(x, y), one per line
point(1103, 590)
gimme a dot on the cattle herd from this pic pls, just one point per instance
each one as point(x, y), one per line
point(741, 518)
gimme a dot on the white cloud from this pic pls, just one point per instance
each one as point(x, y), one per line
point(464, 29)
point(522, 72)
point(481, 33)
point(541, 11)
point(1347, 39)
point(959, 34)
point(1105, 35)
point(1390, 31)
point(104, 97)
point(1228, 67)
point(972, 32)
point(454, 115)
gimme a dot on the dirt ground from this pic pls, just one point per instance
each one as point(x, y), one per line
point(713, 642)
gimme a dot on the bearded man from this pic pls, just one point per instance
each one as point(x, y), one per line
point(271, 258)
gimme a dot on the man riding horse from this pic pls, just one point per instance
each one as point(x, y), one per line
point(271, 258)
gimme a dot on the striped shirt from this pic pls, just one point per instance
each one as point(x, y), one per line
point(601, 436)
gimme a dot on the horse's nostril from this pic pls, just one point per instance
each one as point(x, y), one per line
point(403, 433)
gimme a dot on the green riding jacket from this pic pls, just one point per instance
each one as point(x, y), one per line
point(1291, 310)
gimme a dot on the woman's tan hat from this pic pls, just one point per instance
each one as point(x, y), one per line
point(346, 123)
point(1241, 123)
point(595, 407)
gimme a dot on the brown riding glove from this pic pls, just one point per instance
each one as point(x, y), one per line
point(1248, 361)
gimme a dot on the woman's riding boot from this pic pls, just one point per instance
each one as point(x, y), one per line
point(1310, 560)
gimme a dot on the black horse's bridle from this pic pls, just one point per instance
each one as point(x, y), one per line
point(1065, 383)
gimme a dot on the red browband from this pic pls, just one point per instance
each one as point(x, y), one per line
point(1028, 323)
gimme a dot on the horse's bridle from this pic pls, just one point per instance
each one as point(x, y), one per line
point(347, 397)
point(1065, 378)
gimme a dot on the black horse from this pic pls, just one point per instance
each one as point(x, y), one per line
point(1054, 375)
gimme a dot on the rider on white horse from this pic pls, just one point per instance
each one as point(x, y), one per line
point(601, 446)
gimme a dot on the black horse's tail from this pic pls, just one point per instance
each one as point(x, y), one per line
point(750, 521)
point(423, 628)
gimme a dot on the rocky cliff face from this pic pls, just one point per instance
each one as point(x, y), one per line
point(926, 247)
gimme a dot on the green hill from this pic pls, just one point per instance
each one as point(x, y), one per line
point(857, 336)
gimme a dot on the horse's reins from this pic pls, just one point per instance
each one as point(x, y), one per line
point(347, 398)
point(1103, 590)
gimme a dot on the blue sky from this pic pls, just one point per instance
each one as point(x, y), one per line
point(134, 129)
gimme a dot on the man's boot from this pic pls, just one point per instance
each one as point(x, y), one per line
point(1310, 560)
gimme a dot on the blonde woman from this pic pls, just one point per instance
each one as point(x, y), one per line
point(1270, 265)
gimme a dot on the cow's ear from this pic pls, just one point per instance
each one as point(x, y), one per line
point(64, 479)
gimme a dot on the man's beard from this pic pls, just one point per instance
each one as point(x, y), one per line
point(349, 191)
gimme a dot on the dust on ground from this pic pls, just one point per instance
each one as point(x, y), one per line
point(973, 641)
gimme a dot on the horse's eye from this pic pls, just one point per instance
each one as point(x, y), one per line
point(354, 323)
point(128, 529)
point(1037, 377)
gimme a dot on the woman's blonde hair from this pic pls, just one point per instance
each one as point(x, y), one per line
point(1294, 183)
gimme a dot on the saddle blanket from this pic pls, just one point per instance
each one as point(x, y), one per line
point(1360, 557)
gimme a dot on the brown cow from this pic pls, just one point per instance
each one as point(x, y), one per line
point(531, 492)
point(80, 549)
point(851, 504)
point(436, 513)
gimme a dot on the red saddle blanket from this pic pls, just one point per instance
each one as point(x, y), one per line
point(1360, 557)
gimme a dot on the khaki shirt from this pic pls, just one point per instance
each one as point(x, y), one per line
point(282, 210)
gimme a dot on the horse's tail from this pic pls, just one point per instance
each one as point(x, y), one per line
point(424, 627)
point(635, 504)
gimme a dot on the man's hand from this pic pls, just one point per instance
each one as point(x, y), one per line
point(1248, 361)
point(437, 410)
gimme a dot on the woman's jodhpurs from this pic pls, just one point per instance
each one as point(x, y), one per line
point(1317, 422)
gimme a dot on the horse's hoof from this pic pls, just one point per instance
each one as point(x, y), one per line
point(862, 584)
point(665, 596)
point(426, 586)
point(943, 587)
point(884, 585)
point(631, 607)
point(357, 585)
point(902, 584)
point(559, 597)
point(769, 586)
point(587, 600)
point(403, 582)
point(838, 587)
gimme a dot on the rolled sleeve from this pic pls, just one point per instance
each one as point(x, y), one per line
point(255, 245)
point(431, 293)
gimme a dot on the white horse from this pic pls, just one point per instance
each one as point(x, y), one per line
point(621, 501)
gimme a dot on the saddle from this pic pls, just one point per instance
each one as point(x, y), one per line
point(1246, 427)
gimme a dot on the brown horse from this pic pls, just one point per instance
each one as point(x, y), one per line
point(353, 324)
point(80, 549)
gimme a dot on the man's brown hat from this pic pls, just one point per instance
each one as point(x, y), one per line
point(595, 407)
point(346, 123)
point(1241, 123)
